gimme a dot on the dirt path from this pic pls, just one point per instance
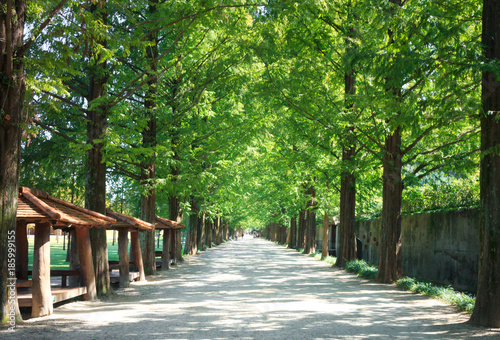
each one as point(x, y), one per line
point(254, 289)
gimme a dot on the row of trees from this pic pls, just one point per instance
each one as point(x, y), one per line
point(251, 113)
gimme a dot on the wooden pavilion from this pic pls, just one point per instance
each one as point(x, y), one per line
point(169, 228)
point(44, 211)
point(125, 224)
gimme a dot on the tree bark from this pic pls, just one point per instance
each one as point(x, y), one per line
point(95, 176)
point(135, 247)
point(487, 308)
point(191, 246)
point(87, 273)
point(390, 268)
point(324, 248)
point(292, 243)
point(148, 207)
point(310, 223)
point(300, 234)
point(12, 90)
point(22, 250)
point(124, 259)
point(148, 201)
point(165, 258)
point(347, 239)
point(173, 246)
point(202, 236)
point(175, 214)
point(42, 296)
point(208, 225)
point(74, 258)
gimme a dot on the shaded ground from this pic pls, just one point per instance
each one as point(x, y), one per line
point(254, 289)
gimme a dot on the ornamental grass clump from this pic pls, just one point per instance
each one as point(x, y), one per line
point(463, 301)
point(361, 268)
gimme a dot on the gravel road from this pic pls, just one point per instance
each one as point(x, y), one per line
point(254, 289)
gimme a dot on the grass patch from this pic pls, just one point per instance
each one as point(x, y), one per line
point(463, 301)
point(329, 259)
point(361, 268)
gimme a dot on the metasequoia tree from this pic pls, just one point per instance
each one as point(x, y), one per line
point(487, 308)
point(13, 49)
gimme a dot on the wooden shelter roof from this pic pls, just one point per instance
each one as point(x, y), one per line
point(37, 206)
point(125, 222)
point(163, 223)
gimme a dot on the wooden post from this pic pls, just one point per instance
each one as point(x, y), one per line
point(42, 295)
point(22, 250)
point(173, 248)
point(86, 263)
point(136, 251)
point(73, 258)
point(165, 257)
point(123, 255)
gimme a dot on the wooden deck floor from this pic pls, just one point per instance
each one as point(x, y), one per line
point(25, 297)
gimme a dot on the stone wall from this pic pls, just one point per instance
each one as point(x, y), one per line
point(442, 247)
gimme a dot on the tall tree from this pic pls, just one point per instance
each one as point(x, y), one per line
point(487, 308)
point(97, 123)
point(13, 49)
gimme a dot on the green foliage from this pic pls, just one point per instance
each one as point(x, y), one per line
point(463, 301)
point(361, 268)
point(463, 193)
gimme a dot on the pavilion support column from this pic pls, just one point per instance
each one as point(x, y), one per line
point(74, 258)
point(22, 250)
point(136, 251)
point(123, 256)
point(86, 263)
point(165, 256)
point(173, 246)
point(42, 295)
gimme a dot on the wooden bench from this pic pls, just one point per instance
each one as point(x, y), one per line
point(63, 273)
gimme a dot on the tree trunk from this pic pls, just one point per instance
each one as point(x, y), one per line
point(148, 207)
point(208, 241)
point(324, 248)
point(165, 258)
point(135, 247)
point(347, 239)
point(310, 223)
point(390, 268)
point(301, 237)
point(173, 246)
point(12, 90)
point(192, 235)
point(124, 259)
point(202, 236)
point(87, 273)
point(226, 230)
point(22, 257)
point(487, 308)
point(292, 239)
point(175, 214)
point(74, 258)
point(95, 176)
point(148, 201)
point(42, 296)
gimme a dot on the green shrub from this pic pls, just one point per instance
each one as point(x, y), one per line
point(361, 268)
